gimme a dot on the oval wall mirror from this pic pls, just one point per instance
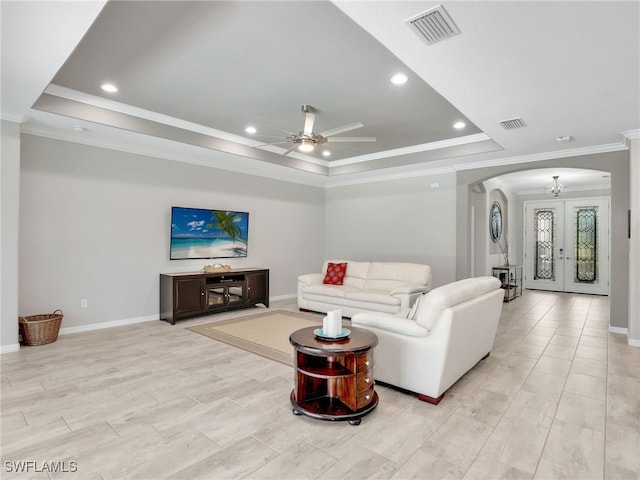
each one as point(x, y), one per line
point(495, 222)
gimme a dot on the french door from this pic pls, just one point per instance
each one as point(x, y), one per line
point(567, 245)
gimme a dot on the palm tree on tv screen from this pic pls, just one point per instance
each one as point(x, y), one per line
point(225, 222)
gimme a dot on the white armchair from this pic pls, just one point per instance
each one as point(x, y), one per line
point(448, 331)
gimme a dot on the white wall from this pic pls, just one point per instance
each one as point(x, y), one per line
point(9, 194)
point(401, 220)
point(95, 223)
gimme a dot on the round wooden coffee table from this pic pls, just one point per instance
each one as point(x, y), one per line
point(333, 378)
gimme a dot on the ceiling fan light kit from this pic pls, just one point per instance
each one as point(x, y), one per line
point(306, 145)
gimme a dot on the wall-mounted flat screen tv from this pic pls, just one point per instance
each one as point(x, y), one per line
point(201, 233)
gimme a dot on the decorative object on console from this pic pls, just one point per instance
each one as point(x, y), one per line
point(216, 268)
point(556, 188)
point(200, 233)
point(504, 248)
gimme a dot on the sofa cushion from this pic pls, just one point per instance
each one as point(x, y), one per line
point(373, 296)
point(382, 284)
point(338, 291)
point(439, 299)
point(401, 271)
point(335, 273)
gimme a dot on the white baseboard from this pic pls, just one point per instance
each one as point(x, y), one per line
point(10, 348)
point(283, 297)
point(101, 325)
point(622, 330)
point(632, 342)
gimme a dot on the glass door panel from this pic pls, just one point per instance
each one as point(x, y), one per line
point(544, 245)
point(544, 231)
point(236, 293)
point(215, 296)
point(587, 261)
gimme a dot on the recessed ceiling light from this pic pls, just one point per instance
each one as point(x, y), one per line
point(250, 129)
point(564, 139)
point(399, 79)
point(109, 87)
point(79, 129)
point(326, 153)
point(459, 125)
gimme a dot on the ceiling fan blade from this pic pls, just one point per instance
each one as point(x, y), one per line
point(269, 136)
point(351, 139)
point(276, 126)
point(309, 119)
point(284, 153)
point(273, 143)
point(342, 129)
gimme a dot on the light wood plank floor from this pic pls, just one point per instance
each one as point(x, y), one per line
point(559, 397)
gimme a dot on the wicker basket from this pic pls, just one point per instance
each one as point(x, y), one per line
point(40, 329)
point(216, 268)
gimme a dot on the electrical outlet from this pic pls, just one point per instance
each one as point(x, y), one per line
point(84, 303)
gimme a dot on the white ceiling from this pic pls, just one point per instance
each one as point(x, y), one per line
point(192, 75)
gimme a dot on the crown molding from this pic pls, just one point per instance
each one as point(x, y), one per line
point(12, 117)
point(377, 178)
point(423, 147)
point(539, 157)
point(193, 155)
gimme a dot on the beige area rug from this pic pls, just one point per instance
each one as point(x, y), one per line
point(265, 334)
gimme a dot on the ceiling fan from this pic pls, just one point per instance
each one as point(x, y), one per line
point(306, 140)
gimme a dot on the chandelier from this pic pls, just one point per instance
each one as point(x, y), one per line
point(556, 188)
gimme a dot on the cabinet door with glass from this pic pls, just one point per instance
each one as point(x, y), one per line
point(222, 295)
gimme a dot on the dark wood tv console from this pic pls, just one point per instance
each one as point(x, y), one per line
point(184, 295)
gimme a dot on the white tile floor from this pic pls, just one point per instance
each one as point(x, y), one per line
point(559, 397)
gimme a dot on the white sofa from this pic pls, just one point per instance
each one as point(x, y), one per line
point(452, 328)
point(389, 287)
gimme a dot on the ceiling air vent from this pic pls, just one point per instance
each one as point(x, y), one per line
point(513, 123)
point(434, 25)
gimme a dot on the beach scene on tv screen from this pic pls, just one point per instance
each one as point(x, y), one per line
point(200, 233)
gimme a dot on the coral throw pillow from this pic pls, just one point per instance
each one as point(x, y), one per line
point(335, 273)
